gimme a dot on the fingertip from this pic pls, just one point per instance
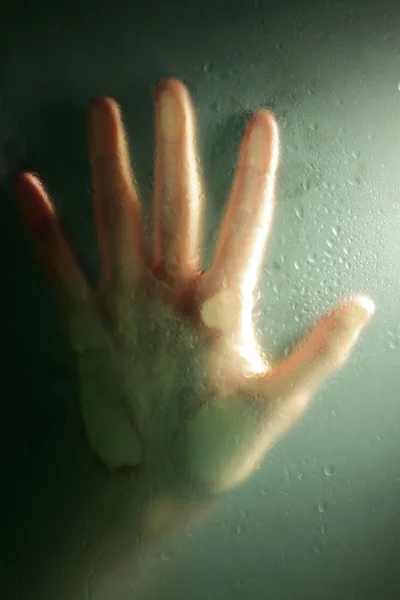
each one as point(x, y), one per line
point(103, 102)
point(357, 311)
point(32, 200)
point(23, 180)
point(26, 185)
point(102, 111)
point(366, 303)
point(336, 335)
point(174, 112)
point(105, 128)
point(266, 118)
point(171, 85)
point(261, 142)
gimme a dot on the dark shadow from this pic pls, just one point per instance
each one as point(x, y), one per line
point(57, 490)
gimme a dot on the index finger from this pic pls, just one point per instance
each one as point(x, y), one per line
point(247, 222)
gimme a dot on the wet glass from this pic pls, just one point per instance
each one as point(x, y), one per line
point(318, 517)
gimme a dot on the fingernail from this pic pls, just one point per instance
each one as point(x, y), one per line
point(169, 112)
point(362, 309)
point(263, 144)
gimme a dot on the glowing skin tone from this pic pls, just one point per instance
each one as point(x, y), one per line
point(171, 373)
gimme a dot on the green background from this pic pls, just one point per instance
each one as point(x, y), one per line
point(320, 519)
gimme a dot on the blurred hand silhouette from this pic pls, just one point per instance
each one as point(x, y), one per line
point(172, 377)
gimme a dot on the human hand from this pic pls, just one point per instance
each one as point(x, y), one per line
point(171, 372)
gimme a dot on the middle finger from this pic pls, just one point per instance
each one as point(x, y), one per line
point(177, 195)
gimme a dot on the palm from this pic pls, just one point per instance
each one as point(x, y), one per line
point(170, 368)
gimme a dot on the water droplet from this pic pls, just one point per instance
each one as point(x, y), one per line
point(335, 231)
point(297, 265)
point(207, 67)
point(312, 258)
point(286, 472)
point(299, 213)
point(238, 583)
point(322, 507)
point(393, 344)
point(164, 557)
point(329, 470)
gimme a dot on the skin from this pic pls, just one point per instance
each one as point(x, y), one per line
point(175, 387)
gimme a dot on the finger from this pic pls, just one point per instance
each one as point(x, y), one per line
point(322, 351)
point(116, 199)
point(177, 193)
point(55, 254)
point(247, 222)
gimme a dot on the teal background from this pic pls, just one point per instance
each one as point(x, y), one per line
point(320, 518)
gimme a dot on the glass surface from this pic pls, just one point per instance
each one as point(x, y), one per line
point(320, 517)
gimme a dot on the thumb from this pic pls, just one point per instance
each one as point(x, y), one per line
point(323, 350)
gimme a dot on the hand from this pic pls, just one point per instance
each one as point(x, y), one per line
point(172, 376)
